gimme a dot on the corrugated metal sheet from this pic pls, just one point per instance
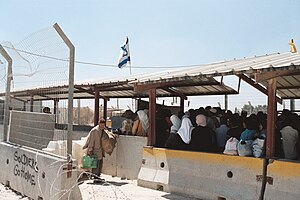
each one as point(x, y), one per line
point(245, 65)
point(289, 86)
point(187, 81)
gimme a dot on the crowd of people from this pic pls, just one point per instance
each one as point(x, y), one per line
point(212, 129)
point(205, 129)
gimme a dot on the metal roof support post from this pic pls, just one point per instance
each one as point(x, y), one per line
point(152, 117)
point(292, 105)
point(226, 101)
point(31, 103)
point(71, 87)
point(272, 107)
point(105, 109)
point(270, 144)
point(96, 106)
point(78, 111)
point(181, 109)
point(55, 110)
point(7, 92)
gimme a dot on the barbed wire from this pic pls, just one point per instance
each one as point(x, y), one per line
point(99, 64)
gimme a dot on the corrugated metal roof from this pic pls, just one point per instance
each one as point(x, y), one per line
point(237, 66)
point(288, 86)
point(198, 80)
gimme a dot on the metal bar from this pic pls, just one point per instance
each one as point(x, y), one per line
point(173, 92)
point(31, 103)
point(264, 179)
point(181, 109)
point(258, 87)
point(78, 111)
point(272, 107)
point(104, 109)
point(152, 117)
point(141, 87)
point(71, 86)
point(292, 105)
point(55, 110)
point(239, 84)
point(226, 101)
point(7, 93)
point(259, 77)
point(96, 107)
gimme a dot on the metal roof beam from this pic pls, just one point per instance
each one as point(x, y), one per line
point(259, 77)
point(257, 86)
point(288, 87)
point(84, 90)
point(174, 92)
point(145, 87)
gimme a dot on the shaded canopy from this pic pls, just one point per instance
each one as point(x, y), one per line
point(198, 80)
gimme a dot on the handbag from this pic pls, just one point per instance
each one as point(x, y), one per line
point(89, 161)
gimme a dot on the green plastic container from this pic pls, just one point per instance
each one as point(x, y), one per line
point(89, 161)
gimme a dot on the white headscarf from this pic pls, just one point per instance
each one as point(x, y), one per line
point(176, 123)
point(185, 130)
point(201, 120)
point(144, 119)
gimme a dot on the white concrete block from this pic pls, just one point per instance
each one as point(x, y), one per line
point(36, 174)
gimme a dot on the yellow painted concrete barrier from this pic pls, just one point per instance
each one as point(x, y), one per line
point(285, 175)
point(202, 175)
point(217, 176)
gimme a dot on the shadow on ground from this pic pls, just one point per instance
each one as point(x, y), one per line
point(177, 197)
point(108, 183)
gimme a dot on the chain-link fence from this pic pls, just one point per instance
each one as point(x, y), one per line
point(41, 60)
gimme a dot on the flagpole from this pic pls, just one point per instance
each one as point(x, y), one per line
point(130, 58)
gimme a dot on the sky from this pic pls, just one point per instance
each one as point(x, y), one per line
point(161, 33)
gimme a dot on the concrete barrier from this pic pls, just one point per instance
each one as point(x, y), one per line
point(125, 161)
point(110, 162)
point(201, 175)
point(285, 175)
point(37, 175)
point(129, 155)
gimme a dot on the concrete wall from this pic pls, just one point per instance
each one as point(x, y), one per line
point(37, 175)
point(126, 159)
point(31, 129)
point(209, 176)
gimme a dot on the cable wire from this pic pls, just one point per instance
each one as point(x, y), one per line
point(99, 64)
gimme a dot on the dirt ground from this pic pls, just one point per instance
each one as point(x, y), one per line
point(111, 188)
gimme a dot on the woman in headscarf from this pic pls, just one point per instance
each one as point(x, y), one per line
point(141, 124)
point(203, 138)
point(176, 123)
point(185, 130)
point(182, 139)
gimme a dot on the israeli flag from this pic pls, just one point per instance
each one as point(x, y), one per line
point(124, 54)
